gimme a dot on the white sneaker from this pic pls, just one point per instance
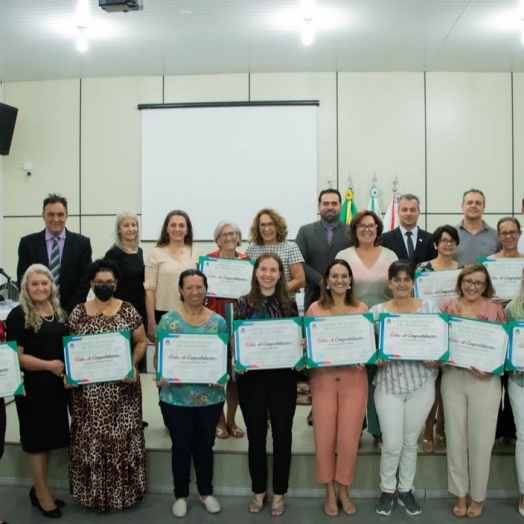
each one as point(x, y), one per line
point(179, 508)
point(211, 503)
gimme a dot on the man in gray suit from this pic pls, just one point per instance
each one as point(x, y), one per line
point(320, 241)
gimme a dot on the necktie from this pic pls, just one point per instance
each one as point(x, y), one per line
point(329, 234)
point(54, 262)
point(411, 249)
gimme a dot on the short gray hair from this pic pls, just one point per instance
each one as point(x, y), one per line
point(119, 218)
point(409, 196)
point(224, 223)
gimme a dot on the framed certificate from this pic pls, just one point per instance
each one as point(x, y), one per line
point(436, 285)
point(340, 340)
point(478, 343)
point(505, 274)
point(186, 358)
point(10, 377)
point(515, 356)
point(102, 357)
point(413, 336)
point(227, 277)
point(268, 343)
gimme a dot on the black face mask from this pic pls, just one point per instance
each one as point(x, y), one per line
point(103, 292)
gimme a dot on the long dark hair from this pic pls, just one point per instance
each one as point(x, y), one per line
point(256, 299)
point(326, 298)
point(163, 240)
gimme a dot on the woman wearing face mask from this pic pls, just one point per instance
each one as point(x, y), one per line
point(107, 468)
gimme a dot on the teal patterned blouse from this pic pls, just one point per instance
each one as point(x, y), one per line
point(192, 395)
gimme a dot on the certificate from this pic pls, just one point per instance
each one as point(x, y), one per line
point(413, 336)
point(10, 377)
point(340, 340)
point(506, 275)
point(478, 343)
point(103, 357)
point(268, 343)
point(227, 277)
point(185, 358)
point(515, 357)
point(436, 285)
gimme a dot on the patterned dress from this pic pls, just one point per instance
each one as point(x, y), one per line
point(107, 457)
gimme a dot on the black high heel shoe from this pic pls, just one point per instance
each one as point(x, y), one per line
point(55, 513)
point(34, 499)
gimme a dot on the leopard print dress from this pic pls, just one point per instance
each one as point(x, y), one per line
point(107, 456)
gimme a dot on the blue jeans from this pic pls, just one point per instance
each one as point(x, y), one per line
point(192, 431)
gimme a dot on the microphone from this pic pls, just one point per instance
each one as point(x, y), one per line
point(3, 273)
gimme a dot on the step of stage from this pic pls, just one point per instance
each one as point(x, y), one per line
point(231, 463)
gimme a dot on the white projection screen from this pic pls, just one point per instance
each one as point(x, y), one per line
point(225, 162)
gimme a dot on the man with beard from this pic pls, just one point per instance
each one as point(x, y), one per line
point(319, 242)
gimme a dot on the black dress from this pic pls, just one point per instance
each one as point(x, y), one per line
point(42, 412)
point(130, 286)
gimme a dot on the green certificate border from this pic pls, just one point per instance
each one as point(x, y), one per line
point(511, 326)
point(20, 388)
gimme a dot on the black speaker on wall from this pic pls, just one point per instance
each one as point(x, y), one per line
point(7, 127)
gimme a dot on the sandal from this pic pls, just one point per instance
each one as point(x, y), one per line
point(460, 510)
point(347, 504)
point(427, 446)
point(221, 433)
point(256, 506)
point(441, 440)
point(278, 507)
point(473, 513)
point(331, 505)
point(235, 432)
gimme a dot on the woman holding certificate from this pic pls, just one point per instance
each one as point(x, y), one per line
point(268, 234)
point(107, 458)
point(38, 325)
point(404, 394)
point(191, 411)
point(471, 399)
point(515, 311)
point(263, 390)
point(369, 262)
point(228, 237)
point(339, 397)
point(445, 240)
point(174, 252)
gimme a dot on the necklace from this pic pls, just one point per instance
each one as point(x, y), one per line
point(47, 319)
point(52, 311)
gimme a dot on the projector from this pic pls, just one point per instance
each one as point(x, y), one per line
point(112, 6)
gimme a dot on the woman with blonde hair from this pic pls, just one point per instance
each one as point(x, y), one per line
point(267, 234)
point(37, 325)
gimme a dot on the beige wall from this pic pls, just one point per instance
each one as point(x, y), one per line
point(440, 133)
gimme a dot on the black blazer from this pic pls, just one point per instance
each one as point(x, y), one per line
point(76, 258)
point(318, 254)
point(424, 249)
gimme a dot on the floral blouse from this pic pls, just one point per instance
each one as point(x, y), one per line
point(192, 395)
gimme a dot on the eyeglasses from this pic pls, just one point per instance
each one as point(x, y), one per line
point(513, 233)
point(473, 283)
point(450, 241)
point(104, 282)
point(231, 234)
point(363, 227)
point(266, 225)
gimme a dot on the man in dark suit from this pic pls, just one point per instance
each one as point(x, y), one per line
point(408, 241)
point(66, 254)
point(320, 241)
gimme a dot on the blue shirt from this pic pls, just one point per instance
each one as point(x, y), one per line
point(192, 395)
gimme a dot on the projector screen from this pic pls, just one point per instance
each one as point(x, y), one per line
point(226, 162)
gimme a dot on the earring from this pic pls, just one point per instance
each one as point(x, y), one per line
point(328, 286)
point(349, 287)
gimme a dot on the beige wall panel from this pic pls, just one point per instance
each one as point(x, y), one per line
point(206, 88)
point(14, 229)
point(112, 141)
point(518, 139)
point(381, 129)
point(46, 134)
point(307, 86)
point(469, 139)
point(100, 231)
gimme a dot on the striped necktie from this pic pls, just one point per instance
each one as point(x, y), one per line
point(329, 234)
point(54, 262)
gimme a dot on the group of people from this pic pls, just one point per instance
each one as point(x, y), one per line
point(345, 269)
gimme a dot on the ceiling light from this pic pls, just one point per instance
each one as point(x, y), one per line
point(308, 34)
point(81, 39)
point(185, 12)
